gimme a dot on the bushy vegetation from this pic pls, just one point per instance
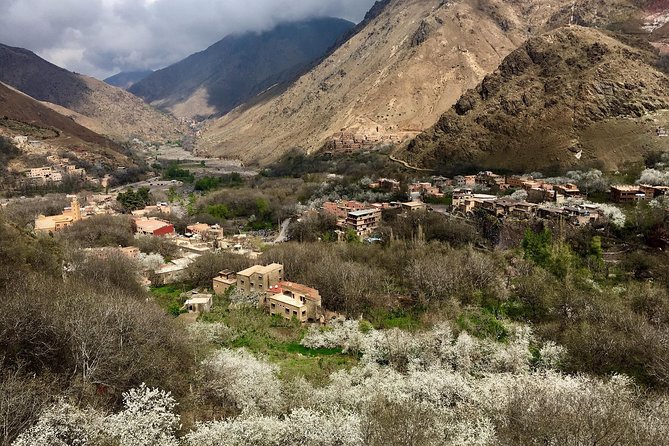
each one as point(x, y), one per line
point(174, 172)
point(85, 331)
point(206, 184)
point(132, 199)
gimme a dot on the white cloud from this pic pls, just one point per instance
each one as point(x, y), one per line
point(101, 37)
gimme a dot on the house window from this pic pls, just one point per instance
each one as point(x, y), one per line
point(273, 306)
point(304, 312)
point(294, 313)
point(287, 312)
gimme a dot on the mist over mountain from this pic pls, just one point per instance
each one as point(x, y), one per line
point(239, 67)
point(127, 79)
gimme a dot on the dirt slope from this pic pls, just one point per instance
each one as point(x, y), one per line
point(22, 115)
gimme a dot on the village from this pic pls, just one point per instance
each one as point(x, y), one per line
point(461, 197)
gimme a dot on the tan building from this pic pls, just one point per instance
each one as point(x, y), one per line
point(55, 223)
point(414, 206)
point(363, 222)
point(153, 226)
point(224, 281)
point(293, 300)
point(627, 194)
point(160, 208)
point(199, 303)
point(259, 278)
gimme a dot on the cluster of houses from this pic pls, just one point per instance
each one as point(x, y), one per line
point(348, 142)
point(466, 202)
point(265, 283)
point(60, 169)
point(363, 218)
point(637, 192)
point(279, 297)
point(97, 204)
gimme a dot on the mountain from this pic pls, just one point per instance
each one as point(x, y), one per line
point(571, 98)
point(127, 79)
point(21, 115)
point(103, 108)
point(239, 67)
point(404, 68)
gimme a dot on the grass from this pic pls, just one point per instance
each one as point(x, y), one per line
point(169, 297)
point(402, 319)
point(278, 340)
point(482, 324)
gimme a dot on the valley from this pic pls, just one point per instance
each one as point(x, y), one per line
point(351, 223)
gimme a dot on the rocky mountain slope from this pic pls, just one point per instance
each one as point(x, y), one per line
point(21, 115)
point(396, 76)
point(127, 79)
point(239, 67)
point(101, 107)
point(573, 97)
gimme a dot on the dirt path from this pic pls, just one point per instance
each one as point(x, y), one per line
point(409, 166)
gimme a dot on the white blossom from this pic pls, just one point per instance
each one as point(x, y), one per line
point(249, 383)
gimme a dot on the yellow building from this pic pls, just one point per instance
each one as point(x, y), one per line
point(55, 223)
point(259, 278)
point(293, 300)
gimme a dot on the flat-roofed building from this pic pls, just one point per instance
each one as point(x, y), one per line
point(293, 300)
point(224, 281)
point(363, 222)
point(259, 278)
point(199, 303)
point(153, 226)
point(414, 206)
point(627, 194)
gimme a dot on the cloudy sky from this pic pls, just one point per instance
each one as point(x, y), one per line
point(102, 37)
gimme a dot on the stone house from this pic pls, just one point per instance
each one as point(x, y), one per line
point(224, 281)
point(259, 278)
point(293, 300)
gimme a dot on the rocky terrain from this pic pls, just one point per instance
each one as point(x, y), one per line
point(573, 97)
point(407, 65)
point(103, 108)
point(239, 67)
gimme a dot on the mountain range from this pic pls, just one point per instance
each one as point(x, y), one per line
point(513, 84)
point(573, 97)
point(105, 109)
point(239, 67)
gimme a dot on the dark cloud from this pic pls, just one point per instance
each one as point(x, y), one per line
point(101, 37)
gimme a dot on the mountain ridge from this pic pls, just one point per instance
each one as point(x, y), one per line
point(571, 98)
point(239, 67)
point(109, 110)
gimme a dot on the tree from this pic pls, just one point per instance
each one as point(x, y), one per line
point(132, 200)
point(536, 246)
